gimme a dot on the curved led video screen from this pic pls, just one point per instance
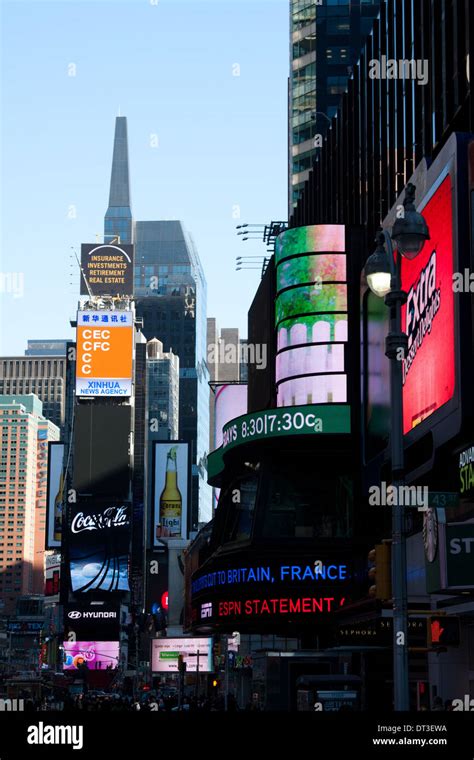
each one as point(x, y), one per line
point(311, 315)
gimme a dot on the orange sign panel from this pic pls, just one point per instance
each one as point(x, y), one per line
point(104, 360)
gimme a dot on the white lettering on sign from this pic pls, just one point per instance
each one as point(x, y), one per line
point(112, 517)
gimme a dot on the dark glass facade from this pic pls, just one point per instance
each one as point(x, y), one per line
point(325, 43)
point(118, 218)
point(170, 291)
point(384, 127)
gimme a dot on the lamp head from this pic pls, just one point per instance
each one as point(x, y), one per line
point(377, 268)
point(411, 231)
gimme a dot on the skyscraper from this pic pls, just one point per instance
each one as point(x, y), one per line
point(325, 42)
point(43, 375)
point(54, 347)
point(118, 218)
point(24, 457)
point(171, 292)
point(163, 392)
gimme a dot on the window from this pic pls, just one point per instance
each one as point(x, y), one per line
point(305, 504)
point(240, 514)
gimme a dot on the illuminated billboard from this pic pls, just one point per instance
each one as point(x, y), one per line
point(99, 620)
point(55, 495)
point(52, 574)
point(93, 655)
point(230, 402)
point(170, 490)
point(108, 269)
point(165, 652)
point(311, 315)
point(99, 546)
point(104, 353)
point(274, 592)
point(428, 317)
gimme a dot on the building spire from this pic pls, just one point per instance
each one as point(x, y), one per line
point(119, 180)
point(118, 218)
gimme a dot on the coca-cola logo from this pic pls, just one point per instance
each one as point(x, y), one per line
point(112, 517)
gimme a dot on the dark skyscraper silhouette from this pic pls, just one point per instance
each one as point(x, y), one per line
point(118, 217)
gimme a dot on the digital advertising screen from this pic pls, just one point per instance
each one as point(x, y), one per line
point(99, 546)
point(165, 652)
point(270, 591)
point(55, 495)
point(104, 362)
point(230, 401)
point(428, 316)
point(95, 655)
point(52, 574)
point(102, 468)
point(107, 268)
point(95, 619)
point(171, 489)
point(311, 315)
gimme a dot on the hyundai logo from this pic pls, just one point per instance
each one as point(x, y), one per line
point(74, 615)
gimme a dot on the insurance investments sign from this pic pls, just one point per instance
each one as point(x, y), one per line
point(104, 353)
point(108, 269)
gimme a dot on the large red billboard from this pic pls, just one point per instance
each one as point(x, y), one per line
point(428, 317)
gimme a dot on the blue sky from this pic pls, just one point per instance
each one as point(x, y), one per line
point(168, 65)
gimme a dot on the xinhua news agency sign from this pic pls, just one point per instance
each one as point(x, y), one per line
point(104, 353)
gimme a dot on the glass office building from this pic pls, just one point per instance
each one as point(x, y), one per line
point(171, 292)
point(325, 42)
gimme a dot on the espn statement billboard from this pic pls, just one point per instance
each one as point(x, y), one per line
point(108, 269)
point(104, 353)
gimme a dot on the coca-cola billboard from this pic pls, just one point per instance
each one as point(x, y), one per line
point(99, 546)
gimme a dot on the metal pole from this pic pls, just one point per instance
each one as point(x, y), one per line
point(196, 691)
point(397, 340)
point(226, 679)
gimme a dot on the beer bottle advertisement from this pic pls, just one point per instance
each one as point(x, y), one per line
point(171, 488)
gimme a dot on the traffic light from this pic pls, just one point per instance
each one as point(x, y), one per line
point(215, 683)
point(380, 571)
point(443, 631)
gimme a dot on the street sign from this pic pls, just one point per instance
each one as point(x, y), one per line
point(443, 499)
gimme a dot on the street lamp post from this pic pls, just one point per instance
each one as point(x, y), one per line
point(384, 279)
